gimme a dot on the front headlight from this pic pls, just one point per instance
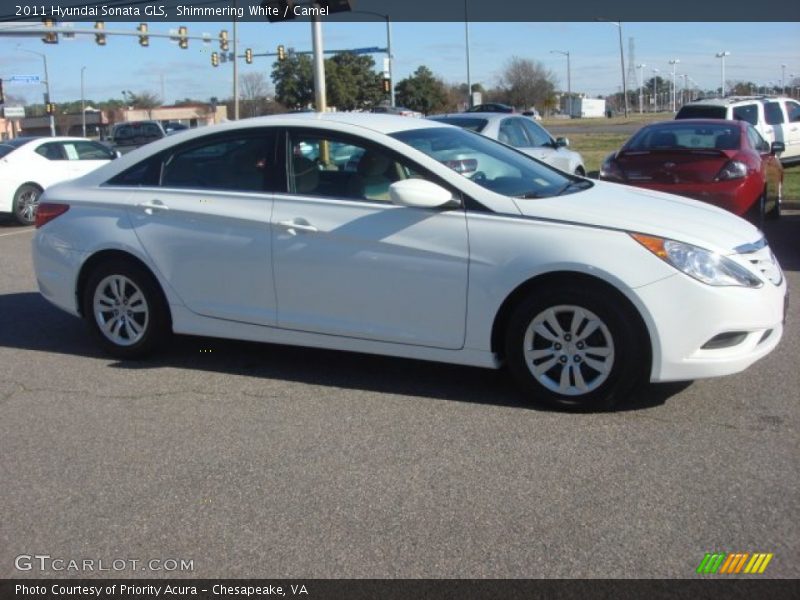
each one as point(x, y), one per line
point(709, 267)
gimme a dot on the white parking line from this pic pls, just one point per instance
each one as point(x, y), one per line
point(18, 232)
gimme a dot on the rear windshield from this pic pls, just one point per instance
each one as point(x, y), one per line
point(9, 146)
point(471, 123)
point(701, 112)
point(685, 135)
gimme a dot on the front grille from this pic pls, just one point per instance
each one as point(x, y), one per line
point(762, 260)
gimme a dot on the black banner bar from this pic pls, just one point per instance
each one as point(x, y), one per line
point(733, 588)
point(407, 10)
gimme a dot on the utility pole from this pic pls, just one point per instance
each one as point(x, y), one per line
point(673, 62)
point(83, 105)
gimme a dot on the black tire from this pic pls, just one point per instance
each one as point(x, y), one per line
point(774, 213)
point(26, 199)
point(132, 332)
point(757, 212)
point(619, 333)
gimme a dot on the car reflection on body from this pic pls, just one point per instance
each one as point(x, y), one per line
point(581, 288)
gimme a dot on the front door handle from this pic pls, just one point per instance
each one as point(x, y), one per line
point(295, 225)
point(152, 205)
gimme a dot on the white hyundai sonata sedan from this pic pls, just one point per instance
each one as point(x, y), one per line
point(361, 232)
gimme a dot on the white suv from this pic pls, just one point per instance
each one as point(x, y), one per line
point(777, 119)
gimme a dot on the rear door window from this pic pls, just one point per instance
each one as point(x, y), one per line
point(773, 113)
point(746, 112)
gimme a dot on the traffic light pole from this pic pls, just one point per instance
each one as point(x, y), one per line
point(46, 87)
point(319, 65)
point(235, 69)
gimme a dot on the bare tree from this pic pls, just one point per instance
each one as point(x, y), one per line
point(526, 83)
point(254, 90)
point(145, 101)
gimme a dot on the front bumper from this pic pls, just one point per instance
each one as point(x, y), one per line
point(687, 314)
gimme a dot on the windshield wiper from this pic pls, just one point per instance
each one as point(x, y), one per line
point(581, 184)
point(529, 195)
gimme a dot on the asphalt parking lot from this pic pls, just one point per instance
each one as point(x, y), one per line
point(270, 461)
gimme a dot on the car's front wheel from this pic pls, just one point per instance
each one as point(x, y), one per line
point(576, 347)
point(125, 309)
point(26, 199)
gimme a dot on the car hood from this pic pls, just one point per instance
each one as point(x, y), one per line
point(638, 210)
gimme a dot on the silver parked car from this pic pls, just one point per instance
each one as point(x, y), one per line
point(521, 133)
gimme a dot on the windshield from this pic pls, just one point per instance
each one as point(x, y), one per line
point(490, 164)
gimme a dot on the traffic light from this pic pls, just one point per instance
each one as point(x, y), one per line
point(50, 108)
point(51, 37)
point(100, 38)
point(281, 52)
point(387, 85)
point(223, 40)
point(183, 42)
point(144, 39)
point(248, 56)
point(214, 59)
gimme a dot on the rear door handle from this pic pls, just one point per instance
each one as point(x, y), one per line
point(295, 225)
point(152, 205)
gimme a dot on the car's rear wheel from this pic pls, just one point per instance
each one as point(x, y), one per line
point(26, 199)
point(125, 309)
point(757, 212)
point(775, 211)
point(575, 347)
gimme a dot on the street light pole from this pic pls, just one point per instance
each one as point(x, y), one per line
point(783, 79)
point(622, 67)
point(390, 57)
point(466, 35)
point(83, 105)
point(655, 90)
point(641, 85)
point(46, 86)
point(673, 62)
point(722, 55)
point(569, 78)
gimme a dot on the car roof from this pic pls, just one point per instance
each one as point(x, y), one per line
point(731, 100)
point(377, 122)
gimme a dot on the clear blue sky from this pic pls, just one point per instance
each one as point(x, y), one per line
point(757, 52)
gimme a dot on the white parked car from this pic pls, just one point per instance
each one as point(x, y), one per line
point(583, 288)
point(777, 119)
point(521, 133)
point(29, 165)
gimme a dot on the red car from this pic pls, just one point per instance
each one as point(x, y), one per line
point(725, 163)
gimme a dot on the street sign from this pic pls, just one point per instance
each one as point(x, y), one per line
point(14, 112)
point(24, 79)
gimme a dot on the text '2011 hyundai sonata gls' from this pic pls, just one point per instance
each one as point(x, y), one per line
point(359, 232)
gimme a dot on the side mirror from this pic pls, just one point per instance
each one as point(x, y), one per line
point(418, 193)
point(562, 142)
point(777, 148)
